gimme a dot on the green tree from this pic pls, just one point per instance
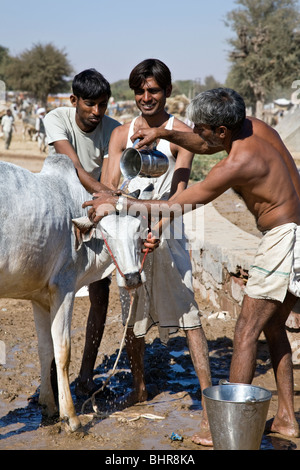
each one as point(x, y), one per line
point(121, 92)
point(4, 60)
point(266, 49)
point(41, 70)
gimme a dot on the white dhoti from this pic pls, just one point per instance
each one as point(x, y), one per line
point(276, 267)
point(167, 298)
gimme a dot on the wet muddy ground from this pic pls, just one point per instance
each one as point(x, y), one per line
point(174, 404)
point(175, 398)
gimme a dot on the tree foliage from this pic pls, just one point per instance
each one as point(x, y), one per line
point(121, 92)
point(265, 51)
point(4, 60)
point(41, 70)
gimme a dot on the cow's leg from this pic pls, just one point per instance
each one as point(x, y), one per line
point(61, 335)
point(46, 355)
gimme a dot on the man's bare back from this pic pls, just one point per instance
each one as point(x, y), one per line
point(268, 170)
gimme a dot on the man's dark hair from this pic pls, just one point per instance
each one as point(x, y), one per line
point(90, 84)
point(218, 107)
point(150, 68)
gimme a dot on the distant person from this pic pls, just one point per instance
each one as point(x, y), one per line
point(8, 126)
point(259, 168)
point(40, 129)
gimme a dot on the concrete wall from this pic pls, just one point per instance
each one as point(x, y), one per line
point(221, 255)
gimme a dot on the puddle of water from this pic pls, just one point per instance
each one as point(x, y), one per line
point(177, 368)
point(177, 399)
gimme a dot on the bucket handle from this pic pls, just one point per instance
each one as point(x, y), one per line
point(249, 400)
point(224, 382)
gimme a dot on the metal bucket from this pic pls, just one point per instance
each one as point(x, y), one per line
point(237, 415)
point(144, 163)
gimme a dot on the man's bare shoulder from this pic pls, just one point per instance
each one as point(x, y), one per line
point(243, 152)
point(247, 160)
point(123, 129)
point(179, 125)
point(120, 134)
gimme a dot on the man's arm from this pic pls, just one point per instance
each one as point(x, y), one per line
point(111, 172)
point(182, 171)
point(90, 183)
point(184, 160)
point(220, 178)
point(187, 140)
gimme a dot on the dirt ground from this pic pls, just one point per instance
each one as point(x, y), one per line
point(174, 404)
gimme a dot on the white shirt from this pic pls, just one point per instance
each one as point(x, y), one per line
point(7, 123)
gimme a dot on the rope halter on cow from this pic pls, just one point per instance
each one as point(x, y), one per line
point(115, 261)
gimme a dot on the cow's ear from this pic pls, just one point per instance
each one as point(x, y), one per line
point(83, 230)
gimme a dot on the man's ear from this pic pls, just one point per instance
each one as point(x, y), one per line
point(73, 100)
point(168, 91)
point(222, 131)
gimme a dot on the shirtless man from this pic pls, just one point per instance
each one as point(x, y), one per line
point(262, 171)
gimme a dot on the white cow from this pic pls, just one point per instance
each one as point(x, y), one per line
point(43, 259)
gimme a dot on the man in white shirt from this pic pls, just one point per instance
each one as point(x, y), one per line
point(83, 132)
point(40, 129)
point(7, 124)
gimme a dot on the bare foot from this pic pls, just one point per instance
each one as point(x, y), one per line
point(282, 427)
point(203, 437)
point(293, 321)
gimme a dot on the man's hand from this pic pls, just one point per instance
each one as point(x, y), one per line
point(102, 204)
point(151, 243)
point(146, 137)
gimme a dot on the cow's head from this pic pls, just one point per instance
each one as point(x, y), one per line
point(122, 235)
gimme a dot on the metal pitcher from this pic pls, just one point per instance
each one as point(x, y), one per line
point(145, 163)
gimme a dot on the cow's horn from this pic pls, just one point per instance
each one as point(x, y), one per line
point(134, 194)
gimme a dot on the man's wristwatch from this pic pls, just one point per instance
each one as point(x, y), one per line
point(120, 204)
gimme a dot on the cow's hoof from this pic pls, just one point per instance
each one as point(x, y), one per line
point(73, 424)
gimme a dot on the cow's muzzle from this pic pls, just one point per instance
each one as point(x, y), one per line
point(133, 280)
